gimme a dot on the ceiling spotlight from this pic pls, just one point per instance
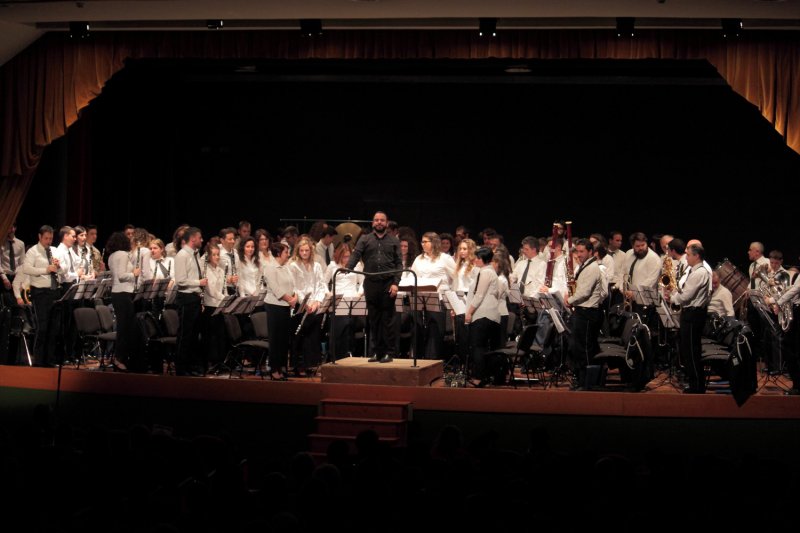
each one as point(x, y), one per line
point(731, 28)
point(78, 31)
point(311, 27)
point(487, 27)
point(215, 24)
point(625, 26)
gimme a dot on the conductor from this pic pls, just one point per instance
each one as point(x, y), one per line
point(380, 253)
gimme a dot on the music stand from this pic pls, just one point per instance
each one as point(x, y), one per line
point(457, 305)
point(103, 288)
point(670, 324)
point(757, 299)
point(555, 309)
point(350, 306)
point(223, 304)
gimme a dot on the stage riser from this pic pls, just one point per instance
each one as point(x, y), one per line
point(319, 443)
point(388, 428)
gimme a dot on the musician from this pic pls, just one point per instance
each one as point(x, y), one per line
point(380, 253)
point(663, 243)
point(705, 263)
point(290, 236)
point(177, 240)
point(465, 274)
point(249, 268)
point(229, 258)
point(524, 276)
point(213, 327)
point(615, 251)
point(721, 301)
point(281, 298)
point(68, 273)
point(604, 260)
point(503, 270)
point(694, 297)
point(324, 249)
point(462, 232)
point(437, 268)
point(310, 286)
point(123, 274)
point(160, 266)
point(42, 267)
point(642, 266)
point(447, 243)
point(96, 256)
point(190, 281)
point(755, 253)
point(129, 231)
point(12, 255)
point(140, 252)
point(590, 291)
point(791, 346)
point(393, 228)
point(243, 232)
point(264, 242)
point(82, 254)
point(557, 287)
point(482, 316)
point(348, 284)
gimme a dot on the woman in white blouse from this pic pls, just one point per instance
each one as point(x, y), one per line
point(432, 266)
point(464, 275)
point(123, 275)
point(503, 268)
point(249, 269)
point(482, 317)
point(213, 327)
point(264, 242)
point(280, 300)
point(161, 267)
point(310, 286)
point(347, 285)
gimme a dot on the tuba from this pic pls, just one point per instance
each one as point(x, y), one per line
point(773, 287)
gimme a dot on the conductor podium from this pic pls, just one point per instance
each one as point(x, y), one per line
point(400, 372)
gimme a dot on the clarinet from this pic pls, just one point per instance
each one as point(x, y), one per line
point(305, 315)
point(138, 264)
point(49, 254)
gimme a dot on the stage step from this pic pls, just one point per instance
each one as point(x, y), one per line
point(353, 426)
point(342, 419)
point(365, 409)
point(319, 443)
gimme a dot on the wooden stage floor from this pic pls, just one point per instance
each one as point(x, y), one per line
point(662, 400)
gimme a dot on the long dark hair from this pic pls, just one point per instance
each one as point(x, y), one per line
point(117, 242)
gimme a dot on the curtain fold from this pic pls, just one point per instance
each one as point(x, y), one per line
point(43, 89)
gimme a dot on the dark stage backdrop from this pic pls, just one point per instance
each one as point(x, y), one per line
point(656, 146)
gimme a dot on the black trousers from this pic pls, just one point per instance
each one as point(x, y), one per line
point(430, 334)
point(126, 326)
point(693, 320)
point(278, 325)
point(213, 333)
point(380, 308)
point(189, 308)
point(586, 322)
point(483, 335)
point(44, 346)
point(307, 343)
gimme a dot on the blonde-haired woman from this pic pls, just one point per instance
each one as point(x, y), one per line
point(466, 272)
point(309, 285)
point(438, 268)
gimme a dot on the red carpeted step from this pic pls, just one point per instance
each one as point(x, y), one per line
point(361, 409)
point(353, 426)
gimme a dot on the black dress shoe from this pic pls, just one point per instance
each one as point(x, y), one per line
point(374, 359)
point(387, 359)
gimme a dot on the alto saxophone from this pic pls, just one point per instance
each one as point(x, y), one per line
point(667, 279)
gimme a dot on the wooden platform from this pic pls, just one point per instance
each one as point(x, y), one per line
point(398, 373)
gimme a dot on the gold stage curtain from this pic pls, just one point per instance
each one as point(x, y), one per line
point(44, 88)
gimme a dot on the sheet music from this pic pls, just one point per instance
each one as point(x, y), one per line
point(422, 283)
point(459, 307)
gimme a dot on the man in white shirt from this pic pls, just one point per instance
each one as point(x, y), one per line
point(229, 258)
point(755, 253)
point(42, 266)
point(189, 280)
point(721, 298)
point(12, 255)
point(323, 251)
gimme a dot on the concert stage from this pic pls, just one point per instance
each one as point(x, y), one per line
point(662, 418)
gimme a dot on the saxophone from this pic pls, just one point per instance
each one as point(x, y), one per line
point(668, 281)
point(773, 287)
